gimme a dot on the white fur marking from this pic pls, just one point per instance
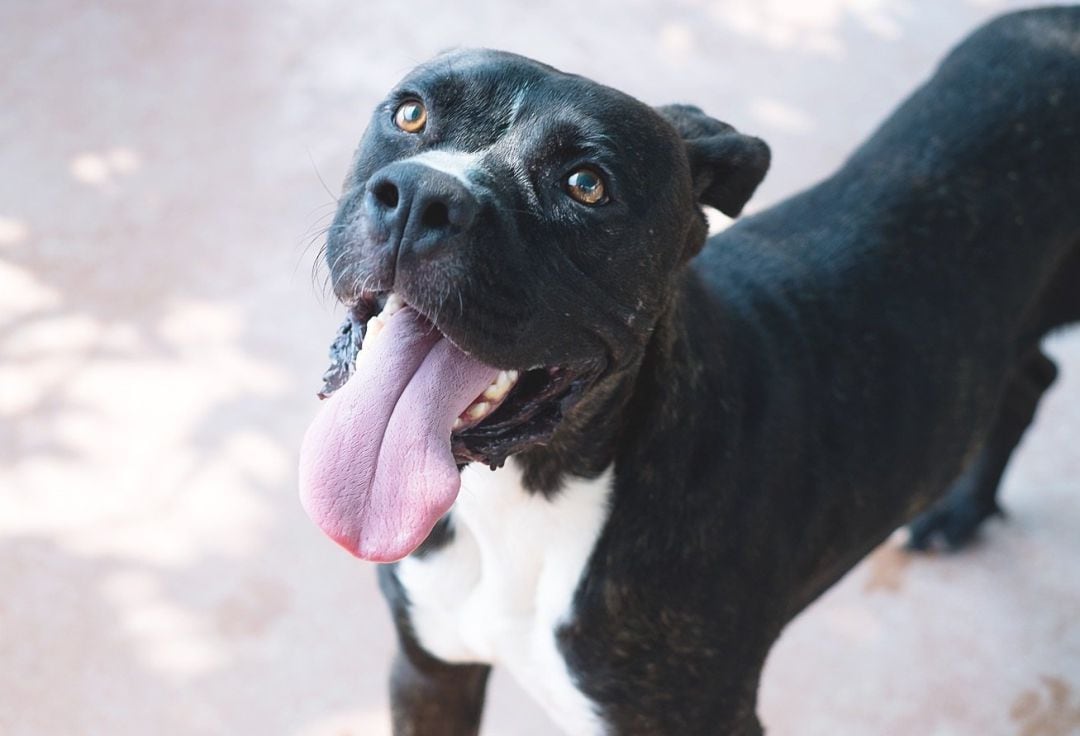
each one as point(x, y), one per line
point(455, 163)
point(498, 591)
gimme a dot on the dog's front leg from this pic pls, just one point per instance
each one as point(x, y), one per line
point(429, 697)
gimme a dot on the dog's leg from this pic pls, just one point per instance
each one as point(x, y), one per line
point(429, 697)
point(973, 497)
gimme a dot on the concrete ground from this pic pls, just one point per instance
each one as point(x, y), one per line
point(161, 340)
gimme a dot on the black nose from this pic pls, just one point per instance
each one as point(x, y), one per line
point(420, 208)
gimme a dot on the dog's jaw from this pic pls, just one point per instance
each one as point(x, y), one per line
point(519, 409)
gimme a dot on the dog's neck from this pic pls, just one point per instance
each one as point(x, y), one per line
point(624, 409)
point(585, 443)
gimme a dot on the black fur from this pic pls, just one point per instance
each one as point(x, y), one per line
point(816, 377)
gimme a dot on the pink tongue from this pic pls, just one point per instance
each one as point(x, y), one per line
point(376, 471)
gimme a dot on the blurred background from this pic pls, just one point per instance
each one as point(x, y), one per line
point(162, 338)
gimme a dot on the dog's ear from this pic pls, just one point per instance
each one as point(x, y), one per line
point(726, 165)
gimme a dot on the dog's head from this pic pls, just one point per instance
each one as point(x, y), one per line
point(523, 228)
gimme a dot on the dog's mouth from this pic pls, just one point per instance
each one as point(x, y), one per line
point(380, 463)
point(518, 409)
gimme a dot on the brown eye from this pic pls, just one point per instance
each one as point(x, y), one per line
point(411, 116)
point(586, 186)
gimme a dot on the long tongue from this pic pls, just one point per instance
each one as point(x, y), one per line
point(376, 471)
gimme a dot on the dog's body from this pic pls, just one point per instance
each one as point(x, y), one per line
point(820, 374)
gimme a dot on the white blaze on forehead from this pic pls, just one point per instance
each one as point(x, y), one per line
point(457, 164)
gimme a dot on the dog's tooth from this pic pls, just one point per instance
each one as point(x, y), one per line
point(458, 424)
point(501, 386)
point(393, 304)
point(374, 327)
point(479, 410)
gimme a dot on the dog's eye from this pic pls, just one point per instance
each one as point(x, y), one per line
point(411, 116)
point(586, 186)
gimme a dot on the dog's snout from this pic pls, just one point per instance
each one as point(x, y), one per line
point(421, 208)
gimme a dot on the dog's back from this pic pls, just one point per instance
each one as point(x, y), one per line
point(987, 156)
point(975, 177)
point(898, 305)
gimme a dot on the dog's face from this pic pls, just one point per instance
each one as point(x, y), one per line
point(508, 236)
point(535, 218)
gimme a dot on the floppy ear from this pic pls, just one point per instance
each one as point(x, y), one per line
point(726, 165)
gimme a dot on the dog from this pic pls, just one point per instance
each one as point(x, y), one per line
point(616, 456)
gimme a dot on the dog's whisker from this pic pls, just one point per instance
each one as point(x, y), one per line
point(319, 176)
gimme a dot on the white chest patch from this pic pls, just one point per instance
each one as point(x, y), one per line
point(498, 591)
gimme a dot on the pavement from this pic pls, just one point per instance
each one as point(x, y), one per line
point(163, 330)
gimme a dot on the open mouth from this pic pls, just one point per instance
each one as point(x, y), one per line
point(406, 409)
point(518, 409)
point(482, 406)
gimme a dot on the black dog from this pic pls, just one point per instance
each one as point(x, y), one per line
point(691, 448)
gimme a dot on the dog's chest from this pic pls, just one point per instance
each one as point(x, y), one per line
point(497, 592)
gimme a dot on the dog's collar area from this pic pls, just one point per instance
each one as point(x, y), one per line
point(519, 409)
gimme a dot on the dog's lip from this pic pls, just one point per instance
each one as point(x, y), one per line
point(370, 303)
point(529, 417)
point(365, 306)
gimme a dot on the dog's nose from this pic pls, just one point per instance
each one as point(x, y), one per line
point(421, 208)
